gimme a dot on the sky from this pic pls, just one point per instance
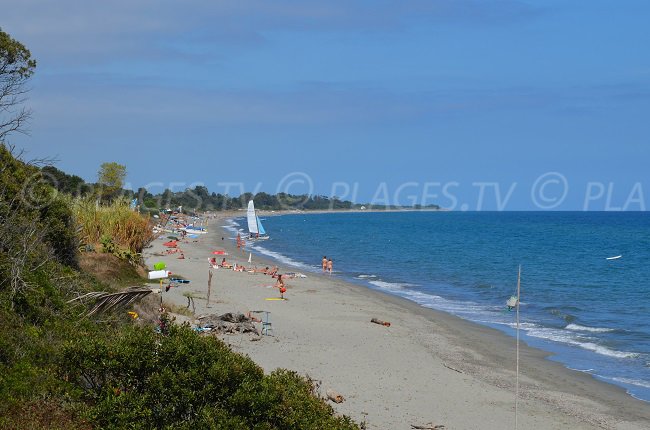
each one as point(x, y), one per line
point(469, 104)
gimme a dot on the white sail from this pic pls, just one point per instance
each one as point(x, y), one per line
point(251, 218)
point(260, 227)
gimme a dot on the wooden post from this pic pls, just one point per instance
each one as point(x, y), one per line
point(517, 377)
point(209, 286)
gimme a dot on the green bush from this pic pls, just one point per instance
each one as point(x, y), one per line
point(140, 379)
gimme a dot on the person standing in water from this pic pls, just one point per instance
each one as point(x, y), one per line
point(324, 263)
point(330, 266)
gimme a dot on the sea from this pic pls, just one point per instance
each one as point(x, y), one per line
point(590, 312)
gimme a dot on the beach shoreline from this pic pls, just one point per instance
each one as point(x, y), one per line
point(428, 366)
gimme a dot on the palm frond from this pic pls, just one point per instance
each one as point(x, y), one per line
point(104, 302)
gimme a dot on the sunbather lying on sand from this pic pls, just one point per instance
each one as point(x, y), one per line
point(225, 265)
point(273, 272)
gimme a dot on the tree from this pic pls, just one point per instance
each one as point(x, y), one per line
point(16, 67)
point(111, 178)
point(64, 183)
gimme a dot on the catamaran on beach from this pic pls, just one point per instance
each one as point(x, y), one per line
point(255, 228)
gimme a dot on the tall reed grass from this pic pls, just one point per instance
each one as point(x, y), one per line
point(117, 221)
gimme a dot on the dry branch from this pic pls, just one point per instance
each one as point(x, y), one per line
point(228, 323)
point(380, 322)
point(452, 368)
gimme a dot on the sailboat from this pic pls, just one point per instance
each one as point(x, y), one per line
point(255, 227)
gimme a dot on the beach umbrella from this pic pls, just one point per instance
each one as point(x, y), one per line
point(250, 257)
point(219, 252)
point(159, 266)
point(172, 237)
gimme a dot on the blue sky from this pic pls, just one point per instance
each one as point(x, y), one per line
point(397, 99)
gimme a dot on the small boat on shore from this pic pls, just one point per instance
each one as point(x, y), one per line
point(190, 230)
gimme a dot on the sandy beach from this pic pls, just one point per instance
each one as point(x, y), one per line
point(427, 367)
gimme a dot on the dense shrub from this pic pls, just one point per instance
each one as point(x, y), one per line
point(140, 379)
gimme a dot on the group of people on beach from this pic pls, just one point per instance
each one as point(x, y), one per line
point(279, 284)
point(241, 268)
point(328, 265)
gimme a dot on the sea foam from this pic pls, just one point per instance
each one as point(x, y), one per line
point(282, 258)
point(578, 327)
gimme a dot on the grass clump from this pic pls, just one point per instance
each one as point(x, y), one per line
point(112, 227)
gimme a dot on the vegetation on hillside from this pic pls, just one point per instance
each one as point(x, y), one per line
point(60, 369)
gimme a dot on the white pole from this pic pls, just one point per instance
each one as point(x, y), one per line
point(517, 378)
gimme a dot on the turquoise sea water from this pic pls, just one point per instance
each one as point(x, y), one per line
point(593, 314)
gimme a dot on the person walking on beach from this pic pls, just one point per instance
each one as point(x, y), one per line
point(324, 263)
point(280, 286)
point(330, 266)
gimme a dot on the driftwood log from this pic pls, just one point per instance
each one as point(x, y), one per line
point(228, 323)
point(334, 396)
point(429, 426)
point(380, 322)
